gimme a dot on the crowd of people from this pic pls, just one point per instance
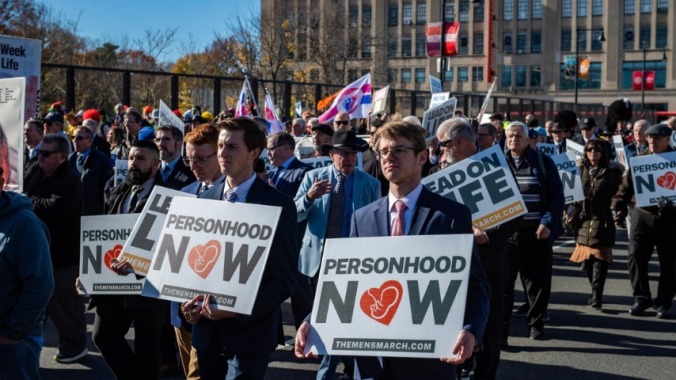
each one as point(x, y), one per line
point(69, 162)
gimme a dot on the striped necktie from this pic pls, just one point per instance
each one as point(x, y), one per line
point(335, 226)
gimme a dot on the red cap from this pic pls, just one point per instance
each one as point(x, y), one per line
point(92, 113)
point(148, 109)
point(178, 113)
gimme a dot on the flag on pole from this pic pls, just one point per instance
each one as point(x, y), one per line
point(274, 125)
point(355, 100)
point(241, 107)
point(486, 99)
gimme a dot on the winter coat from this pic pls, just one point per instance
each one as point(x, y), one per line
point(598, 228)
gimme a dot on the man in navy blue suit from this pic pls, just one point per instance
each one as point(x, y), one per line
point(289, 170)
point(227, 343)
point(401, 150)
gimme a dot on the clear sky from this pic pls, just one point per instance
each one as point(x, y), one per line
point(197, 20)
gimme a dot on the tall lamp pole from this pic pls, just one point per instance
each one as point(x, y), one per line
point(602, 38)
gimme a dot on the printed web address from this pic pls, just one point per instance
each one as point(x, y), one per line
point(392, 345)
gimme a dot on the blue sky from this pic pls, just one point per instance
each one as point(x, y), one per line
point(197, 20)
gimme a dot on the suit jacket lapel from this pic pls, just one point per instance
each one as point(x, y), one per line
point(326, 198)
point(421, 213)
point(382, 217)
point(357, 184)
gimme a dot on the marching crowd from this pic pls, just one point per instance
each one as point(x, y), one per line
point(69, 162)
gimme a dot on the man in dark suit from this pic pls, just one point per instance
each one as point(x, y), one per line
point(94, 170)
point(175, 173)
point(227, 343)
point(402, 153)
point(289, 170)
point(32, 135)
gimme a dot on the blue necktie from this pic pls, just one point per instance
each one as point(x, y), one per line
point(231, 196)
point(166, 170)
point(276, 175)
point(80, 162)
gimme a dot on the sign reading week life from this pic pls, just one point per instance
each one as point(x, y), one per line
point(214, 247)
point(394, 301)
point(566, 165)
point(654, 178)
point(101, 238)
point(139, 248)
point(435, 116)
point(484, 183)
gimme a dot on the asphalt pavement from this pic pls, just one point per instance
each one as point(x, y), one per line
point(580, 342)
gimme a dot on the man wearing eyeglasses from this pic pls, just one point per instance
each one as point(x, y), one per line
point(327, 198)
point(175, 173)
point(200, 157)
point(341, 122)
point(94, 170)
point(57, 193)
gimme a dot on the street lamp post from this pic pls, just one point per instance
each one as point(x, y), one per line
point(602, 38)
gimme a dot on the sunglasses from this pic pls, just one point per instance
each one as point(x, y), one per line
point(46, 153)
point(79, 138)
point(342, 122)
point(594, 149)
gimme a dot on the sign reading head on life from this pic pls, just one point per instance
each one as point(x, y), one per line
point(384, 296)
point(212, 247)
point(435, 116)
point(566, 165)
point(654, 178)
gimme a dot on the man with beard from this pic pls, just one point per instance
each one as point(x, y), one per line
point(115, 314)
point(175, 173)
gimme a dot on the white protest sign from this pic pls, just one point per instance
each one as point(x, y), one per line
point(484, 183)
point(298, 109)
point(484, 105)
point(380, 100)
point(215, 247)
point(167, 117)
point(102, 238)
point(435, 85)
point(22, 57)
point(12, 103)
point(435, 116)
point(547, 148)
point(121, 171)
point(570, 176)
point(139, 248)
point(438, 98)
point(572, 146)
point(392, 301)
point(303, 147)
point(318, 162)
point(654, 178)
point(620, 153)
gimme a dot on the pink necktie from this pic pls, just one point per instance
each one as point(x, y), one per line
point(399, 225)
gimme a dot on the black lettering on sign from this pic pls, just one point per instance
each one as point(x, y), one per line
point(330, 295)
point(440, 307)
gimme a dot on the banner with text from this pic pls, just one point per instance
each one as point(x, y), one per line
point(12, 92)
point(139, 248)
point(380, 100)
point(620, 153)
point(566, 164)
point(547, 149)
point(435, 116)
point(654, 178)
point(167, 117)
point(484, 183)
point(121, 171)
point(577, 149)
point(438, 99)
point(393, 301)
point(102, 238)
point(318, 162)
point(435, 85)
point(22, 57)
point(215, 247)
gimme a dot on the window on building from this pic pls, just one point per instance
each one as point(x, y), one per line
point(366, 47)
point(644, 37)
point(352, 75)
point(507, 43)
point(581, 40)
point(661, 36)
point(420, 75)
point(421, 100)
point(477, 74)
point(662, 6)
point(565, 40)
point(478, 47)
point(597, 7)
point(581, 8)
point(407, 13)
point(567, 9)
point(536, 42)
point(392, 76)
point(406, 47)
point(520, 76)
point(405, 75)
point(463, 74)
point(506, 76)
point(536, 10)
point(479, 13)
point(392, 46)
point(535, 71)
point(421, 14)
point(420, 45)
point(593, 81)
point(522, 10)
point(645, 6)
point(596, 45)
point(464, 11)
point(629, 7)
point(393, 15)
point(354, 14)
point(521, 43)
point(628, 38)
point(463, 43)
point(366, 15)
point(508, 10)
point(450, 11)
point(659, 67)
point(448, 75)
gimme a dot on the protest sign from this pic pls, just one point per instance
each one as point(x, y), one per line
point(672, 140)
point(380, 100)
point(438, 98)
point(392, 301)
point(121, 171)
point(654, 178)
point(547, 149)
point(620, 153)
point(102, 238)
point(435, 85)
point(435, 116)
point(483, 183)
point(12, 92)
point(570, 176)
point(22, 58)
point(139, 248)
point(572, 146)
point(167, 117)
point(484, 105)
point(213, 247)
point(318, 162)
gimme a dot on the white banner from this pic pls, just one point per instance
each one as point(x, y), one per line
point(214, 247)
point(140, 247)
point(572, 146)
point(547, 148)
point(12, 103)
point(438, 98)
point(654, 178)
point(393, 301)
point(435, 116)
point(22, 57)
point(570, 176)
point(620, 152)
point(167, 117)
point(485, 184)
point(121, 171)
point(380, 100)
point(318, 162)
point(101, 238)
